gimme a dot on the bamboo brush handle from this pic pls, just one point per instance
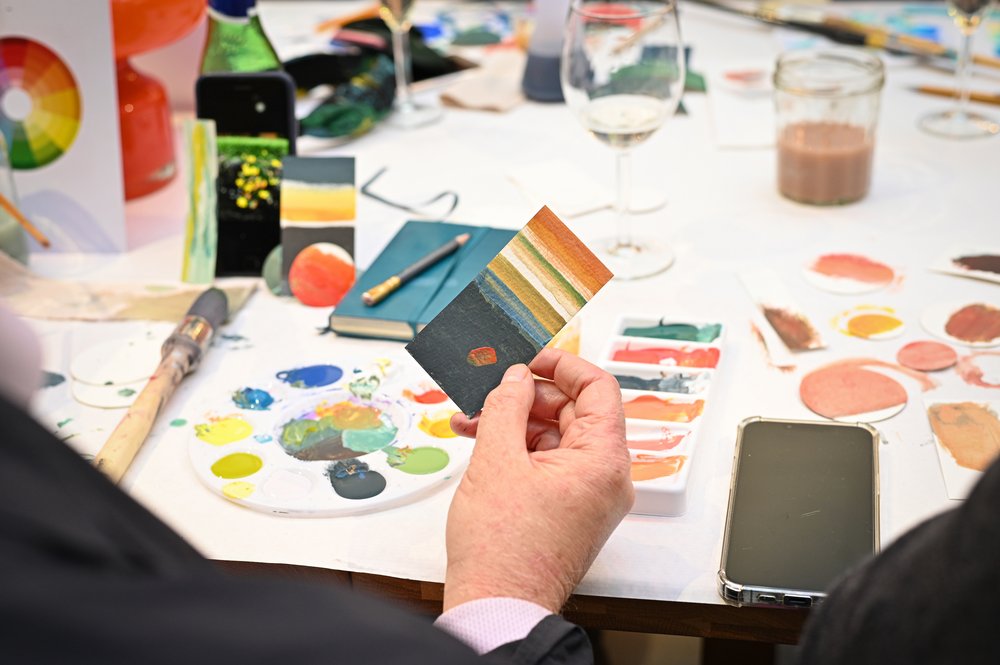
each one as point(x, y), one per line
point(120, 449)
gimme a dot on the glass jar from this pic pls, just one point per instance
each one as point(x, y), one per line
point(827, 110)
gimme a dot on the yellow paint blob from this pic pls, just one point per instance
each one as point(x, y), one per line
point(223, 431)
point(237, 465)
point(438, 425)
point(238, 489)
point(872, 325)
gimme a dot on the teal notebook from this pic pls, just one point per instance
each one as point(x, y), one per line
point(404, 313)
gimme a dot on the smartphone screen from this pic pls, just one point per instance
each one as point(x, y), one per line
point(255, 130)
point(804, 504)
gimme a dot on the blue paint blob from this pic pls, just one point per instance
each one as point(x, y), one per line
point(252, 399)
point(262, 438)
point(50, 379)
point(313, 376)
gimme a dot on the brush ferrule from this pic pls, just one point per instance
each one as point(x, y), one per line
point(194, 334)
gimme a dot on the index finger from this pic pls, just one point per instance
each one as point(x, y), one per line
point(594, 390)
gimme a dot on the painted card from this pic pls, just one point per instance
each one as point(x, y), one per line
point(976, 263)
point(318, 204)
point(59, 118)
point(967, 436)
point(201, 233)
point(512, 309)
point(782, 313)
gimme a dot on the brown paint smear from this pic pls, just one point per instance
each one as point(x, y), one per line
point(982, 262)
point(793, 329)
point(969, 431)
point(974, 323)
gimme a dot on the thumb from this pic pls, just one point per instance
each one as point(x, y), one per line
point(504, 421)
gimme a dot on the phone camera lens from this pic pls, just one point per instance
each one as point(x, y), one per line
point(260, 107)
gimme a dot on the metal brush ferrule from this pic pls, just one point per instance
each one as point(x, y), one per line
point(194, 334)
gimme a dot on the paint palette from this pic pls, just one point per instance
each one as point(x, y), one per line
point(665, 368)
point(316, 442)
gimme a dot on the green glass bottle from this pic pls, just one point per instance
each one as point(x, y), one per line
point(236, 40)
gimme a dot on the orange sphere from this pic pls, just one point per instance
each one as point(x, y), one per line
point(321, 275)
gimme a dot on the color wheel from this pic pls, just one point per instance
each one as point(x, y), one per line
point(39, 103)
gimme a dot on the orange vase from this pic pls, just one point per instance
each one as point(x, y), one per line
point(143, 108)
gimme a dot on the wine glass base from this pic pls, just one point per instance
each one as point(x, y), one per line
point(958, 125)
point(643, 257)
point(411, 116)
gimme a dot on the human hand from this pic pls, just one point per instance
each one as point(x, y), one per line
point(547, 484)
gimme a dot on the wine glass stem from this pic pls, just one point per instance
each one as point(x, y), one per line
point(623, 176)
point(401, 58)
point(964, 71)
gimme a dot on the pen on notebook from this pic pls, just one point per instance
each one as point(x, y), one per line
point(12, 210)
point(984, 97)
point(377, 294)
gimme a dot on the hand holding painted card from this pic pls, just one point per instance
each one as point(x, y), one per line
point(510, 311)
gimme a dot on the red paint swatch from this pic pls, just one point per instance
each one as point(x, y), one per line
point(433, 396)
point(484, 355)
point(679, 357)
point(650, 467)
point(927, 356)
point(974, 323)
point(650, 407)
point(853, 266)
point(839, 391)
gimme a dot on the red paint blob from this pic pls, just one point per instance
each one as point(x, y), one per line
point(927, 356)
point(484, 355)
point(427, 397)
point(853, 266)
point(837, 392)
point(679, 357)
point(321, 275)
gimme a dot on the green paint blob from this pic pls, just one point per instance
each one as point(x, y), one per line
point(126, 392)
point(305, 432)
point(237, 465)
point(682, 332)
point(178, 422)
point(64, 421)
point(419, 461)
point(369, 440)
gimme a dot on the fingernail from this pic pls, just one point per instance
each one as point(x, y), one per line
point(515, 373)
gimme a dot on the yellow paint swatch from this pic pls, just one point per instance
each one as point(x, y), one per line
point(237, 465)
point(223, 431)
point(238, 489)
point(438, 425)
point(872, 325)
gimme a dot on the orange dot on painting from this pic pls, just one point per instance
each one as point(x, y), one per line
point(927, 356)
point(873, 325)
point(839, 392)
point(321, 274)
point(484, 355)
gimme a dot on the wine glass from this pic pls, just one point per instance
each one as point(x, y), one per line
point(960, 122)
point(623, 75)
point(407, 113)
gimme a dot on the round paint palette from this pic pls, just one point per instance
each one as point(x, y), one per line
point(975, 324)
point(288, 447)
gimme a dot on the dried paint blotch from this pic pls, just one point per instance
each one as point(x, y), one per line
point(841, 391)
point(438, 425)
point(427, 396)
point(310, 439)
point(64, 422)
point(482, 356)
point(685, 384)
point(699, 358)
point(666, 441)
point(981, 369)
point(353, 479)
point(855, 267)
point(253, 399)
point(651, 467)
point(237, 465)
point(126, 392)
point(979, 262)
point(262, 438)
point(348, 415)
point(52, 379)
point(680, 332)
point(927, 356)
point(794, 329)
point(650, 407)
point(974, 323)
point(970, 432)
point(313, 376)
point(178, 422)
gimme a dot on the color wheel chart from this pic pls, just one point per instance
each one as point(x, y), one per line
point(40, 103)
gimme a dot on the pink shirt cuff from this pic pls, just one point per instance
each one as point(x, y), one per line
point(488, 623)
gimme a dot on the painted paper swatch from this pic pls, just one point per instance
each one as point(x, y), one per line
point(201, 234)
point(968, 441)
point(781, 312)
point(512, 309)
point(974, 324)
point(978, 263)
point(848, 273)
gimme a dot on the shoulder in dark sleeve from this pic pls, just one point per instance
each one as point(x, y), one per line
point(554, 641)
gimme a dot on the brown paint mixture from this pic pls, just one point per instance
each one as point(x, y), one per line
point(793, 329)
point(974, 323)
point(970, 432)
point(981, 262)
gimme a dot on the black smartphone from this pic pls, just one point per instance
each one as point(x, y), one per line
point(255, 128)
point(803, 508)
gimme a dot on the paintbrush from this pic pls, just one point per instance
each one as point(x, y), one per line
point(181, 354)
point(12, 210)
point(984, 97)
